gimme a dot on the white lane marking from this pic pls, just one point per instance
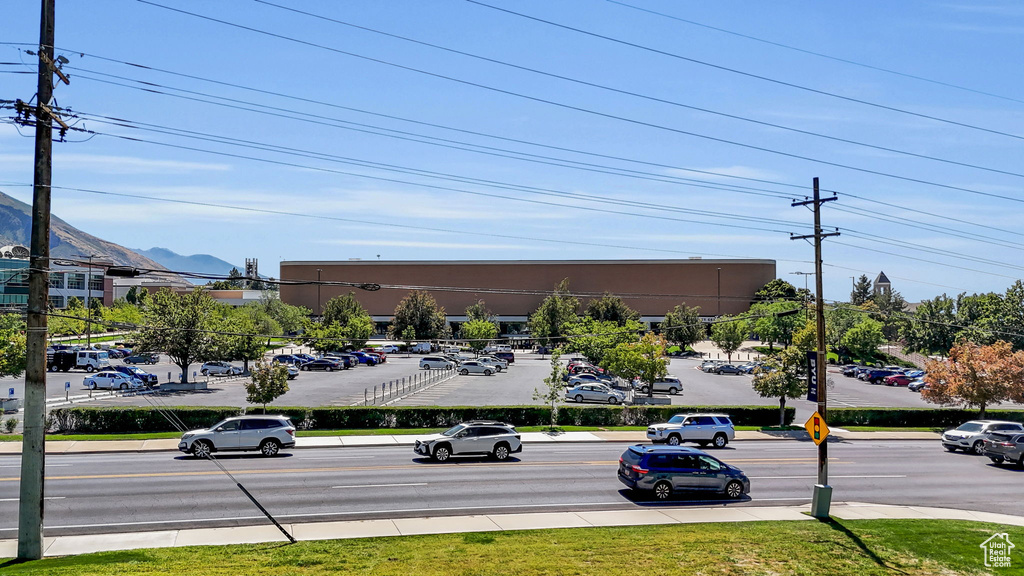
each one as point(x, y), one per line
point(830, 476)
point(47, 498)
point(381, 485)
point(48, 465)
point(336, 458)
point(767, 499)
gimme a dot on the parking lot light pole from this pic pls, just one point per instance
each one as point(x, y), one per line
point(319, 307)
point(718, 307)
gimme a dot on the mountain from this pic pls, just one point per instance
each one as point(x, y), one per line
point(66, 241)
point(200, 263)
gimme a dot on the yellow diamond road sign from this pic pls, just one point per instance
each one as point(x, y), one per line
point(816, 428)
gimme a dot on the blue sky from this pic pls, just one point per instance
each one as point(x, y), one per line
point(487, 206)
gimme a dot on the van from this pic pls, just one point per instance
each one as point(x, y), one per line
point(422, 348)
point(92, 360)
point(491, 348)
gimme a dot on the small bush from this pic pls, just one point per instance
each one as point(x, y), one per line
point(10, 424)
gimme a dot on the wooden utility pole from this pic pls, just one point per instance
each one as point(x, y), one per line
point(822, 491)
point(30, 510)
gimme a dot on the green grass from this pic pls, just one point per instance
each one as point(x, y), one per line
point(833, 548)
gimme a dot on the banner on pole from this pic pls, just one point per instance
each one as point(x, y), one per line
point(812, 376)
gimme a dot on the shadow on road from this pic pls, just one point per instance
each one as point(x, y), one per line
point(464, 460)
point(236, 456)
point(646, 498)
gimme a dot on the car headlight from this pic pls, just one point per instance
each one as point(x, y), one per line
point(187, 436)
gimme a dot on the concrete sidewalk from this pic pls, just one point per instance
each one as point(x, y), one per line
point(67, 545)
point(171, 444)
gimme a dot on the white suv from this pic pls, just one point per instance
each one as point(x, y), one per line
point(669, 384)
point(436, 363)
point(268, 434)
point(480, 437)
point(970, 436)
point(704, 429)
point(497, 363)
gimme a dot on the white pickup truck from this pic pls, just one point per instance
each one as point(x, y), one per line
point(704, 429)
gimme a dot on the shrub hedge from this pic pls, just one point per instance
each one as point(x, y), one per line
point(914, 417)
point(119, 420)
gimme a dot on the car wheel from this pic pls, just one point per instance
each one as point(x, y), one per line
point(442, 453)
point(498, 368)
point(330, 368)
point(674, 440)
point(977, 447)
point(996, 459)
point(124, 386)
point(304, 368)
point(464, 372)
point(662, 490)
point(89, 368)
point(270, 448)
point(425, 366)
point(578, 398)
point(645, 390)
point(613, 400)
point(950, 448)
point(501, 452)
point(127, 361)
point(720, 441)
point(734, 489)
point(92, 385)
point(204, 372)
point(487, 372)
point(202, 449)
point(673, 391)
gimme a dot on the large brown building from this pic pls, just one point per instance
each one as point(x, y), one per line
point(513, 289)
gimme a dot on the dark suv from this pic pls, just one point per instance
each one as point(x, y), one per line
point(665, 470)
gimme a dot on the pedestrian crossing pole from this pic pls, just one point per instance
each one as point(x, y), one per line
point(822, 498)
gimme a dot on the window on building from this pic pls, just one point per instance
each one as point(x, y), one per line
point(96, 283)
point(57, 301)
point(76, 281)
point(57, 280)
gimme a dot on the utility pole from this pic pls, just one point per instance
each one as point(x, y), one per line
point(807, 311)
point(30, 508)
point(822, 498)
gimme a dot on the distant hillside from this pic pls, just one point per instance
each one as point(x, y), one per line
point(66, 241)
point(199, 263)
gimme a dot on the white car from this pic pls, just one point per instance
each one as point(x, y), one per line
point(668, 384)
point(436, 363)
point(113, 381)
point(220, 368)
point(588, 378)
point(474, 367)
point(970, 436)
point(595, 393)
point(704, 429)
point(389, 349)
point(480, 437)
point(498, 363)
point(293, 372)
point(268, 434)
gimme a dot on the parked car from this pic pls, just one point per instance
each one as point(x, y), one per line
point(710, 365)
point(918, 385)
point(218, 368)
point(389, 349)
point(365, 358)
point(326, 364)
point(497, 439)
point(914, 374)
point(665, 470)
point(305, 357)
point(595, 393)
point(268, 434)
point(474, 367)
point(750, 367)
point(497, 363)
point(897, 380)
point(288, 359)
point(876, 376)
point(436, 363)
point(492, 348)
point(111, 380)
point(970, 435)
point(728, 369)
point(704, 429)
point(345, 360)
point(509, 357)
point(146, 378)
point(669, 384)
point(380, 354)
point(850, 370)
point(92, 360)
point(1004, 447)
point(422, 348)
point(587, 378)
point(142, 358)
point(60, 361)
point(293, 371)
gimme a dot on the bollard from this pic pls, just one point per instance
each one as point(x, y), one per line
point(391, 386)
point(364, 396)
point(168, 376)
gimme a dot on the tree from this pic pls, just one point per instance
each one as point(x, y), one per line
point(554, 387)
point(324, 337)
point(980, 317)
point(783, 376)
point(12, 345)
point(728, 333)
point(932, 329)
point(1012, 315)
point(775, 321)
point(122, 313)
point(682, 326)
point(420, 311)
point(244, 333)
point(595, 338)
point(611, 308)
point(269, 381)
point(777, 289)
point(861, 291)
point(838, 320)
point(644, 359)
point(68, 321)
point(289, 318)
point(864, 339)
point(181, 326)
point(976, 376)
point(479, 333)
point(891, 307)
point(479, 311)
point(408, 335)
point(549, 319)
point(340, 309)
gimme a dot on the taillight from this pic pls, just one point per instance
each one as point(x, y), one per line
point(291, 432)
point(1007, 444)
point(638, 469)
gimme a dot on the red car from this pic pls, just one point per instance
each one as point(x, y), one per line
point(897, 380)
point(383, 356)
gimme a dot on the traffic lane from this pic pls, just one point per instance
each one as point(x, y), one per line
point(382, 483)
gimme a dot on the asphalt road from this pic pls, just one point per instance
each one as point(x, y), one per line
point(101, 493)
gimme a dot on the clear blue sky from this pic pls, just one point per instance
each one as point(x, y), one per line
point(971, 45)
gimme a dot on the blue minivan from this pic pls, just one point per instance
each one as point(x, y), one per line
point(665, 470)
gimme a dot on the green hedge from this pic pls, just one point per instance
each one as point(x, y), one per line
point(914, 417)
point(145, 419)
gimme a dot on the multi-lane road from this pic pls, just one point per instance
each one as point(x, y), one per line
point(102, 493)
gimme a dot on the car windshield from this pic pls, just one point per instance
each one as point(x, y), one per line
point(676, 419)
point(970, 427)
point(453, 430)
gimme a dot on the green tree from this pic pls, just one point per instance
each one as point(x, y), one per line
point(932, 329)
point(644, 359)
point(864, 339)
point(777, 289)
point(861, 291)
point(783, 376)
point(12, 345)
point(554, 387)
point(419, 310)
point(549, 319)
point(891, 307)
point(268, 382)
point(123, 315)
point(595, 338)
point(358, 330)
point(611, 308)
point(289, 318)
point(324, 337)
point(69, 321)
point(979, 317)
point(1012, 315)
point(244, 333)
point(340, 309)
point(479, 311)
point(479, 333)
point(408, 335)
point(775, 321)
point(682, 326)
point(728, 333)
point(181, 326)
point(838, 320)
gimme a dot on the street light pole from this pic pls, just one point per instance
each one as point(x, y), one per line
point(88, 297)
point(807, 310)
point(718, 311)
point(319, 306)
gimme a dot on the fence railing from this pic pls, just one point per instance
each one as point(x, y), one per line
point(399, 387)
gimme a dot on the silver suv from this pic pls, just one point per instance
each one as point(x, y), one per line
point(268, 434)
point(970, 436)
point(704, 429)
point(479, 437)
point(669, 384)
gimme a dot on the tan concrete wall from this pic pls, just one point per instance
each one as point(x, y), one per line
point(650, 286)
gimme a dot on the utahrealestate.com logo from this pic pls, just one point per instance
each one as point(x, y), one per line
point(997, 550)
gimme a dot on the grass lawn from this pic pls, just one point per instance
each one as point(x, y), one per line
point(835, 548)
